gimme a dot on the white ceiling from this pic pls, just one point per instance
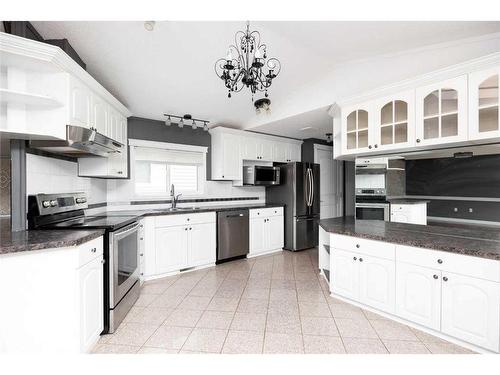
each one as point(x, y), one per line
point(171, 69)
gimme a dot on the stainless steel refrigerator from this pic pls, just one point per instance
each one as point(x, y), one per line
point(299, 193)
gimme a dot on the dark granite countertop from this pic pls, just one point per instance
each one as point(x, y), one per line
point(461, 239)
point(31, 240)
point(165, 211)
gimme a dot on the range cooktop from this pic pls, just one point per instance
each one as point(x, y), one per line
point(96, 222)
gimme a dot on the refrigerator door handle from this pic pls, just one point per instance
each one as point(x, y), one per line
point(309, 174)
point(312, 187)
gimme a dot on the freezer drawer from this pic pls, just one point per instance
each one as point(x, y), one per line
point(305, 233)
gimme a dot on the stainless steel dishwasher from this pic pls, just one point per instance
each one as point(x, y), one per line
point(232, 234)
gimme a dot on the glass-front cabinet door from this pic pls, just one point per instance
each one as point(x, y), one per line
point(441, 112)
point(356, 129)
point(483, 104)
point(395, 121)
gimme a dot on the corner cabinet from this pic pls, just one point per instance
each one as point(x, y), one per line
point(442, 112)
point(394, 123)
point(232, 148)
point(483, 104)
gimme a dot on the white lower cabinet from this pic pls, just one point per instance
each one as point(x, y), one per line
point(176, 242)
point(376, 282)
point(418, 294)
point(471, 310)
point(171, 249)
point(364, 278)
point(90, 285)
point(55, 304)
point(266, 231)
point(421, 286)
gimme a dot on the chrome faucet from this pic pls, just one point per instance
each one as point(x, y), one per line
point(174, 197)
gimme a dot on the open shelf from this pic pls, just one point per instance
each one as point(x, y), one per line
point(29, 99)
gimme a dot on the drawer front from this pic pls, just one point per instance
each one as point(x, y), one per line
point(266, 212)
point(183, 219)
point(90, 250)
point(368, 247)
point(487, 269)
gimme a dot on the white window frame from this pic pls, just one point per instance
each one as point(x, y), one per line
point(168, 146)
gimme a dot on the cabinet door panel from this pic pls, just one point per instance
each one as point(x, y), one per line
point(100, 115)
point(230, 155)
point(484, 101)
point(418, 295)
point(377, 282)
point(90, 279)
point(266, 150)
point(257, 235)
point(202, 245)
point(275, 226)
point(345, 273)
point(171, 249)
point(471, 310)
point(79, 104)
point(281, 152)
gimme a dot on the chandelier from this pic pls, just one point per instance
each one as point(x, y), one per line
point(246, 64)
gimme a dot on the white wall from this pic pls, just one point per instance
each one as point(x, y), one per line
point(356, 77)
point(49, 175)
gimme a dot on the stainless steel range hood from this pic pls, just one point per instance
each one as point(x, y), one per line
point(80, 142)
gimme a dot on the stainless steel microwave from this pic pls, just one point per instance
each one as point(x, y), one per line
point(260, 175)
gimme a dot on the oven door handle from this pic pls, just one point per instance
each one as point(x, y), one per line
point(123, 232)
point(358, 205)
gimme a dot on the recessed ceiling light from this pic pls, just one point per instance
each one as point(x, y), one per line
point(149, 25)
point(306, 128)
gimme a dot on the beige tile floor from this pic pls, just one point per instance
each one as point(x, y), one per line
point(271, 304)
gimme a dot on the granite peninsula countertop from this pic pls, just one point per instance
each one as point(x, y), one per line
point(472, 240)
point(31, 240)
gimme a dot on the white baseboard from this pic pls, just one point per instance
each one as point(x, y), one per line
point(263, 253)
point(173, 273)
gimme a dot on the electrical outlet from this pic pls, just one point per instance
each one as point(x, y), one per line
point(471, 210)
point(455, 209)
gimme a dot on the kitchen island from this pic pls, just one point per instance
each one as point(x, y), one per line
point(441, 279)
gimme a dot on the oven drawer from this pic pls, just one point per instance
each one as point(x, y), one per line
point(266, 212)
point(368, 247)
point(90, 250)
point(183, 219)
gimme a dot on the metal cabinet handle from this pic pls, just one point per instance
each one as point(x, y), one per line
point(360, 259)
point(435, 277)
point(440, 261)
point(93, 250)
point(445, 278)
point(357, 246)
point(354, 258)
point(418, 140)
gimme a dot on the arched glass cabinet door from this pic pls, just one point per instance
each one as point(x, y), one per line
point(484, 104)
point(441, 110)
point(356, 130)
point(395, 121)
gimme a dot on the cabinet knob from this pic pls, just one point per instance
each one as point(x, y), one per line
point(360, 259)
point(435, 277)
point(142, 238)
point(142, 273)
point(187, 219)
point(93, 250)
point(142, 254)
point(120, 172)
point(440, 261)
point(370, 147)
point(376, 145)
point(418, 140)
point(185, 229)
point(190, 228)
point(445, 278)
point(357, 246)
point(103, 261)
point(222, 176)
point(354, 258)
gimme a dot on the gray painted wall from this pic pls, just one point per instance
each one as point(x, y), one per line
point(154, 130)
point(308, 148)
point(349, 188)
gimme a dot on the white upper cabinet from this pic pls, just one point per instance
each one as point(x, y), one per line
point(441, 112)
point(79, 103)
point(394, 121)
point(483, 104)
point(230, 148)
point(357, 128)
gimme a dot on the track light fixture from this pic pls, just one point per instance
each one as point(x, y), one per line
point(195, 122)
